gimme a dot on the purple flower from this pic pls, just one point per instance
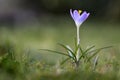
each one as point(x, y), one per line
point(79, 17)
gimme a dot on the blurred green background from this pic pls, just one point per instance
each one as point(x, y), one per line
point(27, 26)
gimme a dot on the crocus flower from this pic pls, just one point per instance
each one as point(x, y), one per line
point(78, 16)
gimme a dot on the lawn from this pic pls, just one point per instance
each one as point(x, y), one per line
point(22, 59)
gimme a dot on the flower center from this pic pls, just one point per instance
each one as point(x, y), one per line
point(79, 11)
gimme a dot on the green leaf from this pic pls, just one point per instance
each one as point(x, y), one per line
point(83, 54)
point(95, 62)
point(100, 49)
point(56, 52)
point(70, 54)
point(97, 51)
point(89, 49)
point(64, 61)
point(93, 55)
point(74, 57)
point(81, 50)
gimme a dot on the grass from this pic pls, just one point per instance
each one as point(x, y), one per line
point(21, 59)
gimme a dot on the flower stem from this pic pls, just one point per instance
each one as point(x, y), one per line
point(78, 43)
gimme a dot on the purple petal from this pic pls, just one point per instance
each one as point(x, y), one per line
point(83, 17)
point(71, 13)
point(88, 14)
point(76, 15)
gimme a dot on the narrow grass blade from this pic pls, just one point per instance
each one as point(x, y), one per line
point(82, 53)
point(64, 61)
point(81, 50)
point(68, 50)
point(97, 51)
point(56, 52)
point(95, 62)
point(100, 49)
point(93, 55)
point(89, 49)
